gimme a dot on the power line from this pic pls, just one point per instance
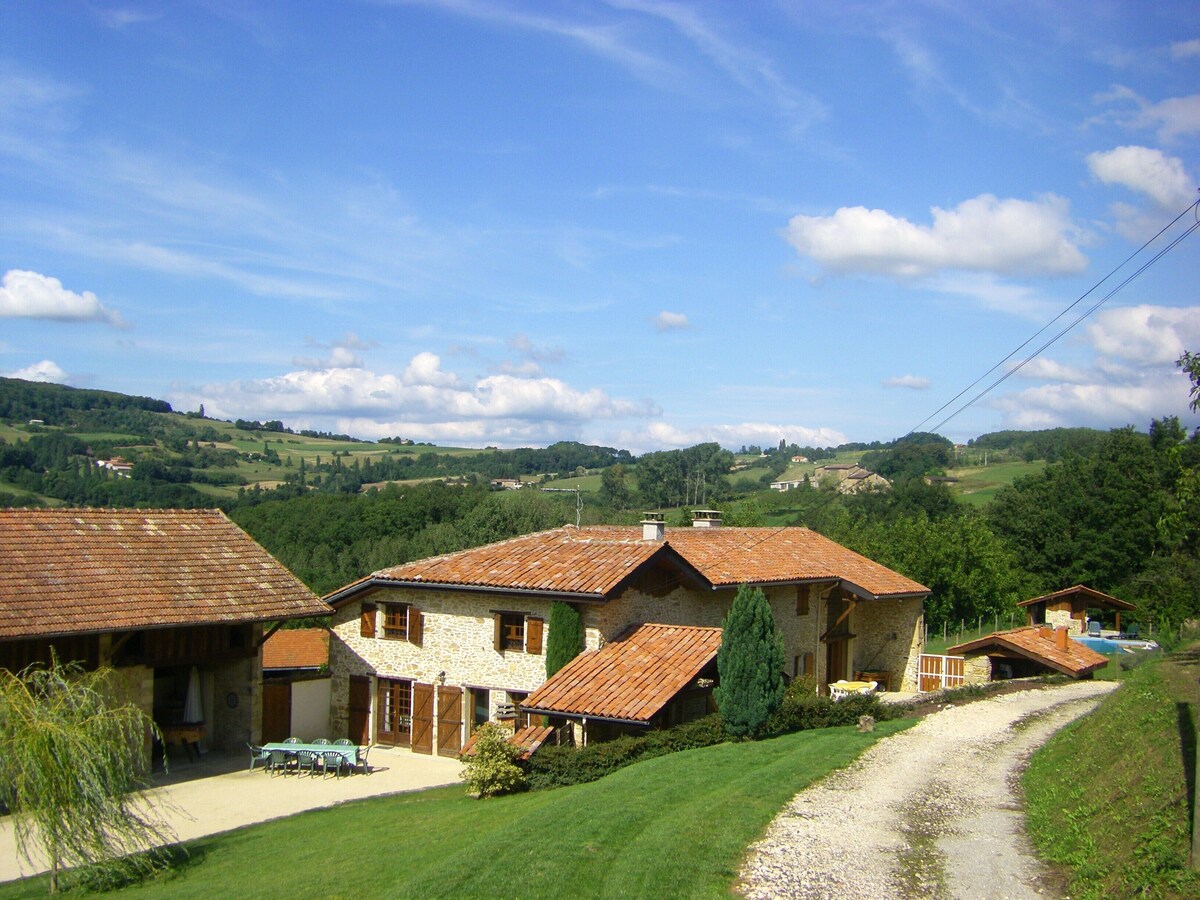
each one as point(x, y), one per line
point(1193, 207)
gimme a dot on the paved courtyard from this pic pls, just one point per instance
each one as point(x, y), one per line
point(218, 794)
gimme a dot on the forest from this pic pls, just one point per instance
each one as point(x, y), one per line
point(1115, 510)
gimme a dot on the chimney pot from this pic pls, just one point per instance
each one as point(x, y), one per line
point(1046, 633)
point(1061, 637)
point(653, 527)
point(706, 518)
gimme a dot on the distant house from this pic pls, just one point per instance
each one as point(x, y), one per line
point(296, 682)
point(787, 485)
point(1022, 652)
point(799, 459)
point(507, 484)
point(116, 465)
point(175, 600)
point(423, 653)
point(1072, 607)
point(849, 478)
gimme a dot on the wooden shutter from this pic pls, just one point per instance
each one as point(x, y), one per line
point(498, 633)
point(366, 620)
point(533, 634)
point(802, 600)
point(414, 625)
point(806, 664)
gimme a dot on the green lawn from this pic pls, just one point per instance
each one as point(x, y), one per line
point(1107, 797)
point(673, 826)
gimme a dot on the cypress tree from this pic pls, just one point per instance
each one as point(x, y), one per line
point(750, 664)
point(565, 640)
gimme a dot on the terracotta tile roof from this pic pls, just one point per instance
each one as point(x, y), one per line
point(69, 571)
point(631, 678)
point(296, 648)
point(527, 740)
point(595, 560)
point(1038, 643)
point(1093, 597)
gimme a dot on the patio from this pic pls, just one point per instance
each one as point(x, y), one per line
point(218, 793)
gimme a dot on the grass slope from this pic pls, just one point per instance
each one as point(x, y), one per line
point(673, 826)
point(1108, 796)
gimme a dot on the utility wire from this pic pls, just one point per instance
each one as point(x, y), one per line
point(1193, 207)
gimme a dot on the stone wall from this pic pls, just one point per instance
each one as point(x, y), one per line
point(458, 639)
point(888, 637)
point(234, 725)
point(977, 669)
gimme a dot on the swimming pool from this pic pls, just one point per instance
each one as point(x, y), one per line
point(1109, 646)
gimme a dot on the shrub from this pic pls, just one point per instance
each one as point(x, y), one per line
point(565, 640)
point(803, 708)
point(492, 769)
point(558, 766)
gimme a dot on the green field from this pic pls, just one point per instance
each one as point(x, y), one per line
point(977, 485)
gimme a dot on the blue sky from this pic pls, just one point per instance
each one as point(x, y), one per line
point(637, 223)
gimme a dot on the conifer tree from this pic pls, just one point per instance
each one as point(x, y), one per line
point(750, 664)
point(565, 640)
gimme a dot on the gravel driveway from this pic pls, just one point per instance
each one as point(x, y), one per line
point(932, 811)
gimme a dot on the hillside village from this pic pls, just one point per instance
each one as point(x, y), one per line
point(492, 561)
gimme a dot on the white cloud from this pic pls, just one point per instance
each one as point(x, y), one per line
point(1146, 335)
point(46, 370)
point(662, 436)
point(983, 234)
point(913, 382)
point(1184, 49)
point(338, 358)
point(671, 321)
point(30, 295)
point(1132, 377)
point(1170, 118)
point(425, 402)
point(1148, 171)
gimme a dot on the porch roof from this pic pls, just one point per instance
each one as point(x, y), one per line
point(1038, 643)
point(296, 648)
point(631, 678)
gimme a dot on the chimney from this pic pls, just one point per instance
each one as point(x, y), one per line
point(1045, 633)
point(653, 527)
point(706, 518)
point(1061, 637)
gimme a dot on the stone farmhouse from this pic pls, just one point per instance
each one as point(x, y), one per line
point(175, 600)
point(422, 653)
point(849, 478)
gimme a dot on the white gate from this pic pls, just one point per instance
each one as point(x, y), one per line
point(939, 672)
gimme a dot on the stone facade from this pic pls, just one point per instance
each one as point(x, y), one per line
point(458, 639)
point(977, 669)
point(457, 644)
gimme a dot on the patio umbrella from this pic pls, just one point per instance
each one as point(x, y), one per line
point(192, 711)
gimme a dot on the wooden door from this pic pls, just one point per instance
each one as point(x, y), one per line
point(393, 712)
point(450, 720)
point(359, 729)
point(835, 659)
point(276, 711)
point(422, 718)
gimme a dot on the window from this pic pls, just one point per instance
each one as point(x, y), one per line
point(518, 631)
point(512, 631)
point(395, 622)
point(401, 622)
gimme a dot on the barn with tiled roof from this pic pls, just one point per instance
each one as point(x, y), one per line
point(175, 599)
